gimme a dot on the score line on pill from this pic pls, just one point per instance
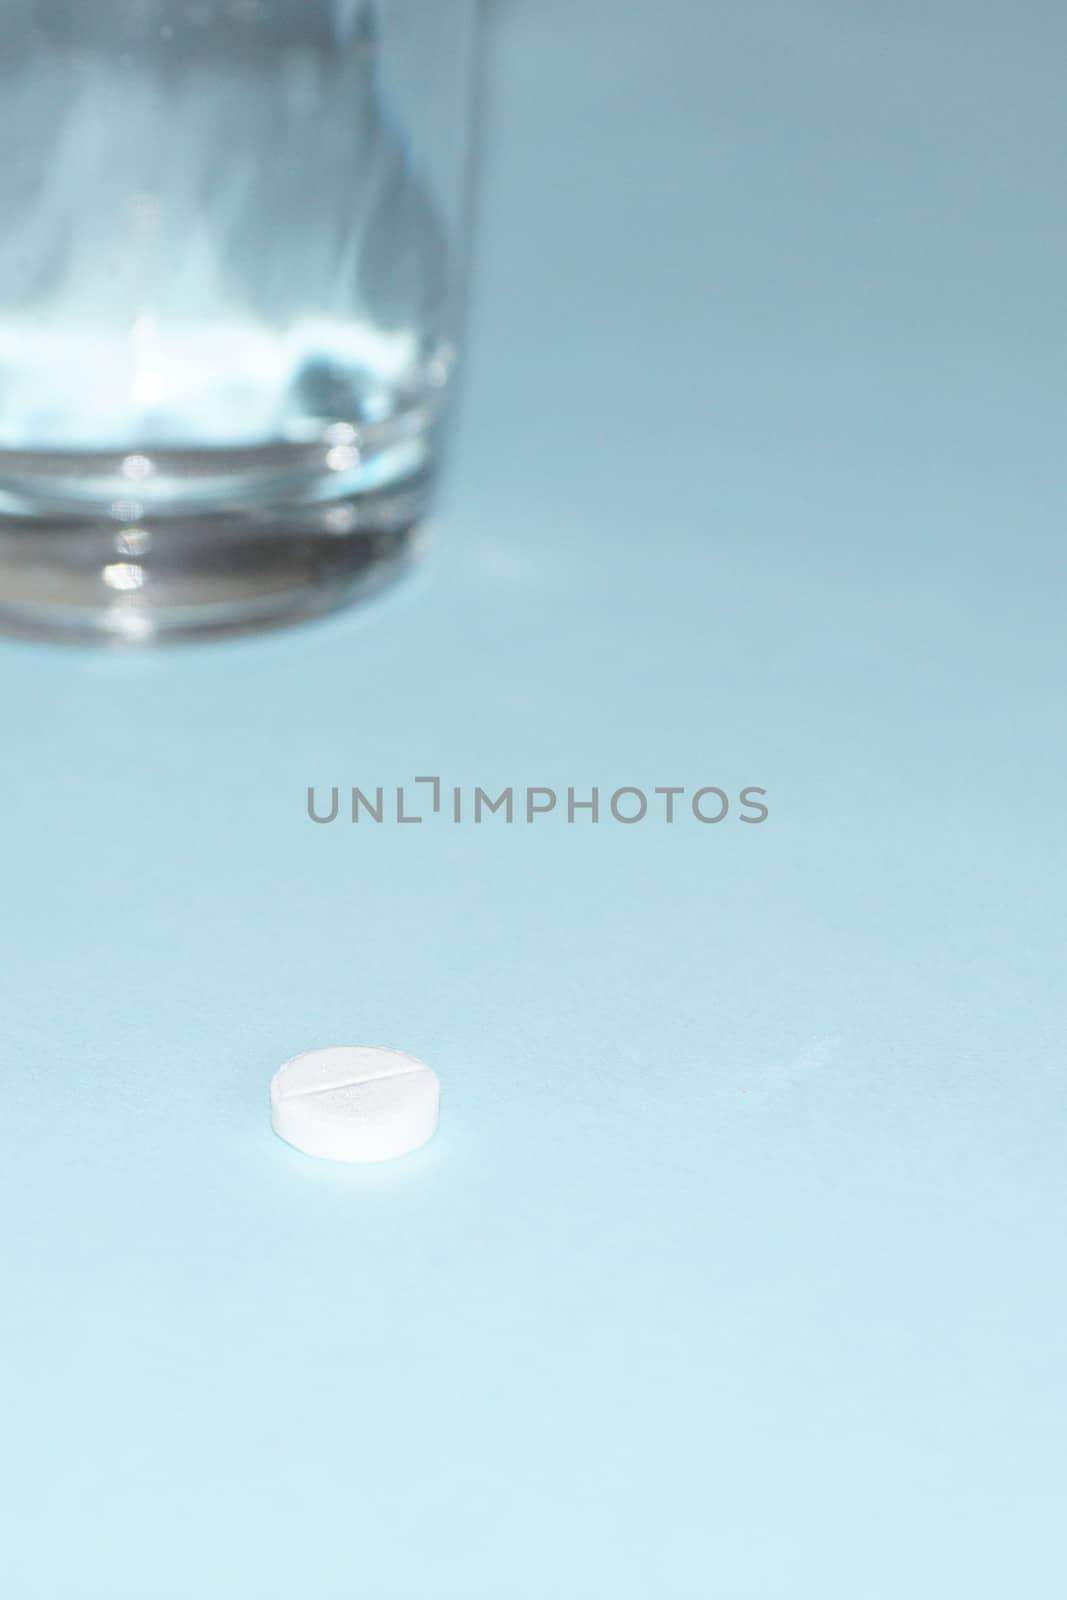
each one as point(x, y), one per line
point(355, 1103)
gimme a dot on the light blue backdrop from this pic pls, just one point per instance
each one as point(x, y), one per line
point(737, 1270)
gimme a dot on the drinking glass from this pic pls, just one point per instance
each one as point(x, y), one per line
point(232, 257)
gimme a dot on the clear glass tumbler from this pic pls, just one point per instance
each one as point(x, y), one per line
point(232, 256)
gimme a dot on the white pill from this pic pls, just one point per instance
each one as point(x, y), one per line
point(354, 1103)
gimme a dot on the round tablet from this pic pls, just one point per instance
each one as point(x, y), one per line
point(354, 1103)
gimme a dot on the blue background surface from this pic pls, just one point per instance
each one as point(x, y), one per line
point(737, 1268)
